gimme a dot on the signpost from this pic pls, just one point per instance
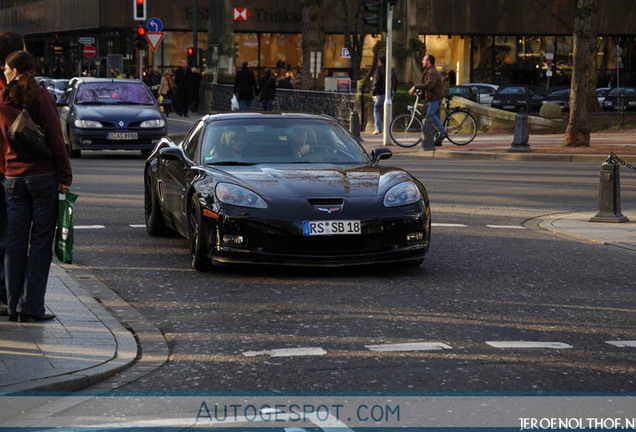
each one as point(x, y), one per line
point(315, 60)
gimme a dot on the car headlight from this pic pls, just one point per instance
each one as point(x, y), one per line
point(239, 196)
point(87, 124)
point(158, 123)
point(402, 194)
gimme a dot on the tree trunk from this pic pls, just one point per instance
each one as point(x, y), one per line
point(577, 133)
point(354, 37)
point(313, 40)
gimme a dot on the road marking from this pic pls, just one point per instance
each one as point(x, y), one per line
point(414, 346)
point(138, 226)
point(89, 227)
point(506, 226)
point(450, 225)
point(287, 352)
point(528, 344)
point(623, 344)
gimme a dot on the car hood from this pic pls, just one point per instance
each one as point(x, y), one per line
point(115, 113)
point(326, 181)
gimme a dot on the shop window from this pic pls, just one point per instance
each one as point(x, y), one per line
point(280, 52)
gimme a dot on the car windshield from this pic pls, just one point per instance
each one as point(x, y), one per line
point(61, 85)
point(279, 140)
point(622, 90)
point(512, 90)
point(560, 93)
point(110, 93)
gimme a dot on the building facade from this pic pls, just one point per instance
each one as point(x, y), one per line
point(498, 41)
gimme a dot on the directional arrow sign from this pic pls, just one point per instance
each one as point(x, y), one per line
point(154, 39)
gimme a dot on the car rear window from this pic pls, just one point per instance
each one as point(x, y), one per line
point(114, 93)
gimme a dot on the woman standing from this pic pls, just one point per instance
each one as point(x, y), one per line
point(268, 90)
point(31, 185)
point(166, 91)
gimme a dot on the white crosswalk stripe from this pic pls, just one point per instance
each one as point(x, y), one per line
point(623, 344)
point(528, 344)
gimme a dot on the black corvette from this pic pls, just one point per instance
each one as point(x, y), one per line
point(290, 189)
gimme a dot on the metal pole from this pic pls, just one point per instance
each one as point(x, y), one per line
point(195, 45)
point(388, 103)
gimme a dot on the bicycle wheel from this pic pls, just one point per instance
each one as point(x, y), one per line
point(461, 127)
point(406, 131)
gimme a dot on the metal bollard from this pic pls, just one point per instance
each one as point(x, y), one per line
point(609, 193)
point(354, 124)
point(522, 135)
point(428, 135)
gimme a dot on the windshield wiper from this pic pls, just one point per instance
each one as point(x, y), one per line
point(235, 163)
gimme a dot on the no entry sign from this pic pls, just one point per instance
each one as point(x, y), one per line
point(89, 51)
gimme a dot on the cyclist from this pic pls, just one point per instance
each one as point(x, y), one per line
point(433, 88)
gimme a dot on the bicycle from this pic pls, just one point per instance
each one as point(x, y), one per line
point(406, 128)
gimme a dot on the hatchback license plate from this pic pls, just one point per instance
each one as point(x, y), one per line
point(508, 107)
point(331, 227)
point(123, 136)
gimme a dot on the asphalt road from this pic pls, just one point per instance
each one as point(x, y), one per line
point(490, 278)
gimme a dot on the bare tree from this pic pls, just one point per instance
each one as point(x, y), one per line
point(354, 37)
point(313, 40)
point(577, 133)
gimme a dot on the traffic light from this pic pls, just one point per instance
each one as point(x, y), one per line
point(376, 19)
point(191, 59)
point(236, 49)
point(139, 10)
point(140, 38)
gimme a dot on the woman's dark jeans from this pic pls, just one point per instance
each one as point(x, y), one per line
point(32, 204)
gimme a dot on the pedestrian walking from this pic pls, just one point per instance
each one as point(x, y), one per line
point(193, 88)
point(378, 92)
point(433, 88)
point(245, 87)
point(182, 100)
point(267, 84)
point(31, 186)
point(9, 42)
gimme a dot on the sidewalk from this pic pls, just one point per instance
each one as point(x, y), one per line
point(87, 342)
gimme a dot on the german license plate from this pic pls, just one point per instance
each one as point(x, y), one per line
point(314, 228)
point(119, 136)
point(631, 103)
point(508, 107)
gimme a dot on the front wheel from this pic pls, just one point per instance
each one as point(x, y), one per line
point(406, 130)
point(461, 127)
point(198, 247)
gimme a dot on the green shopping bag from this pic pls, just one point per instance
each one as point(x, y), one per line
point(64, 232)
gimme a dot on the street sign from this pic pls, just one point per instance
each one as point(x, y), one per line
point(241, 14)
point(154, 39)
point(89, 51)
point(86, 40)
point(344, 53)
point(154, 25)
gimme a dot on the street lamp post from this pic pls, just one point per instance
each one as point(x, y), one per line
point(388, 103)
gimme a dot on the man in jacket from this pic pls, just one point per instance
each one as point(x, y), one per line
point(433, 88)
point(245, 87)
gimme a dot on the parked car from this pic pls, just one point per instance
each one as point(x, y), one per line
point(284, 189)
point(620, 95)
point(560, 97)
point(465, 91)
point(43, 81)
point(516, 98)
point(111, 114)
point(485, 92)
point(57, 87)
point(601, 92)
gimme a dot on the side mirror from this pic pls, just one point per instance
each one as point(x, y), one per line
point(380, 153)
point(171, 153)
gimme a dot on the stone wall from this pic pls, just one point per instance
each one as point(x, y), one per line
point(337, 105)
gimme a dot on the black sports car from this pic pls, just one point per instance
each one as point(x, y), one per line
point(111, 114)
point(291, 189)
point(518, 98)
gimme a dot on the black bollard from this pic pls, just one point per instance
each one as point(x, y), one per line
point(522, 135)
point(354, 124)
point(428, 135)
point(609, 193)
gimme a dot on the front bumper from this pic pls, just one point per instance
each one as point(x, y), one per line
point(96, 139)
point(283, 243)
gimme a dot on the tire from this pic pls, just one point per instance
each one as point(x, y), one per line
point(406, 132)
point(461, 127)
point(155, 226)
point(198, 249)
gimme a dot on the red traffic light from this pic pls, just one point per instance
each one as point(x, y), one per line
point(190, 51)
point(140, 2)
point(140, 30)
